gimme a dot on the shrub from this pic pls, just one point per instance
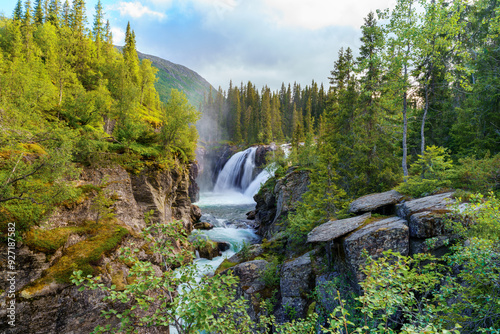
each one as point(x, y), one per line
point(430, 173)
point(479, 175)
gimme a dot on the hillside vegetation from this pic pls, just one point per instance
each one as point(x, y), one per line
point(69, 99)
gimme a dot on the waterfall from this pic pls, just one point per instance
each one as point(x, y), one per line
point(237, 173)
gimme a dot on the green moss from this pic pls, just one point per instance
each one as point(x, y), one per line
point(102, 238)
point(226, 264)
point(118, 280)
point(49, 241)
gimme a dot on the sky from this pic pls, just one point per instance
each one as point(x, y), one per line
point(267, 42)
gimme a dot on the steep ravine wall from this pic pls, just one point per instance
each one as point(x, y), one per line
point(45, 301)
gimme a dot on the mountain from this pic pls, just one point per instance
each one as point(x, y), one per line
point(180, 77)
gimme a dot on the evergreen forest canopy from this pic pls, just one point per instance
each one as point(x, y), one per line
point(68, 98)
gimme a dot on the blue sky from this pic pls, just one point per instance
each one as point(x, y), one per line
point(265, 41)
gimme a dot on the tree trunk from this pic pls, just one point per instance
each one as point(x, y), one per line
point(405, 125)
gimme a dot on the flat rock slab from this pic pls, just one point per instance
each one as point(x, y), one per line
point(375, 201)
point(336, 228)
point(437, 202)
point(375, 238)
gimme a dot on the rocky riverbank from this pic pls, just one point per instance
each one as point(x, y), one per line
point(76, 238)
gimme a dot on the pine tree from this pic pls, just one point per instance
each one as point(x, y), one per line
point(66, 14)
point(54, 12)
point(18, 11)
point(375, 151)
point(237, 119)
point(78, 18)
point(130, 55)
point(38, 12)
point(266, 119)
point(98, 29)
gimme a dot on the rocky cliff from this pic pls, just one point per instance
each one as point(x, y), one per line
point(379, 222)
point(76, 238)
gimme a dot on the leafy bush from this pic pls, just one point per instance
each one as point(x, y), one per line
point(478, 175)
point(209, 304)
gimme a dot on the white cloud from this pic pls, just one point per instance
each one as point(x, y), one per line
point(118, 36)
point(136, 10)
point(316, 14)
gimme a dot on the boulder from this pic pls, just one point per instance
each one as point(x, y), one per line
point(426, 224)
point(436, 203)
point(336, 228)
point(208, 249)
point(375, 238)
point(195, 213)
point(297, 280)
point(252, 253)
point(374, 202)
point(251, 215)
point(251, 285)
point(222, 245)
point(437, 246)
point(203, 226)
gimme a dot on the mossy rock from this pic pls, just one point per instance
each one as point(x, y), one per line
point(102, 237)
point(226, 264)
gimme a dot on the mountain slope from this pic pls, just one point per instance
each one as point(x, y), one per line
point(176, 76)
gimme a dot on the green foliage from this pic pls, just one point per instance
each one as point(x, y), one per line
point(178, 132)
point(208, 304)
point(69, 97)
point(32, 173)
point(430, 173)
point(270, 275)
point(478, 175)
point(101, 206)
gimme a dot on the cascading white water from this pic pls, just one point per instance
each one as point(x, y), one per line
point(237, 172)
point(226, 206)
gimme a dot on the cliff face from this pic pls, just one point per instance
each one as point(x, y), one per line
point(277, 199)
point(73, 238)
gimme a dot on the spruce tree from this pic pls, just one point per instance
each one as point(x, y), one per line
point(98, 28)
point(54, 12)
point(130, 55)
point(66, 14)
point(18, 11)
point(38, 12)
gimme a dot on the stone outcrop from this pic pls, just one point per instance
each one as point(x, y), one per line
point(251, 286)
point(336, 228)
point(194, 189)
point(384, 202)
point(275, 202)
point(435, 203)
point(164, 192)
point(195, 213)
point(426, 224)
point(47, 305)
point(375, 238)
point(296, 281)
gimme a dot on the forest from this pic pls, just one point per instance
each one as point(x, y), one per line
point(417, 110)
point(68, 99)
